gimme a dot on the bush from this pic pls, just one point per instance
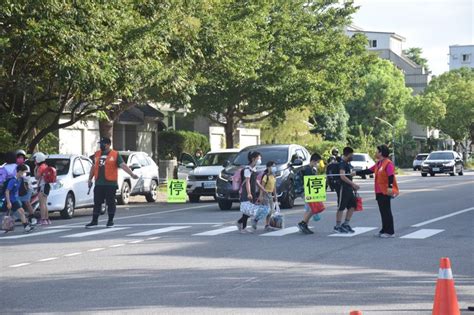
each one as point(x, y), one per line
point(172, 143)
point(325, 147)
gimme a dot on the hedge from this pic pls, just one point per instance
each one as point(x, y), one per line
point(172, 143)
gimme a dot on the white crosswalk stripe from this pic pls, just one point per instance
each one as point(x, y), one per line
point(422, 234)
point(282, 232)
point(159, 231)
point(358, 231)
point(33, 234)
point(218, 231)
point(94, 232)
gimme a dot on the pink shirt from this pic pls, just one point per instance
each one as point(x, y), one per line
point(390, 169)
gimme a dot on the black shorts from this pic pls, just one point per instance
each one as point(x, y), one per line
point(15, 206)
point(346, 198)
point(45, 189)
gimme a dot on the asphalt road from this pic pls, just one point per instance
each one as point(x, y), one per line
point(187, 259)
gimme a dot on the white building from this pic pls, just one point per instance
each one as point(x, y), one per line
point(461, 56)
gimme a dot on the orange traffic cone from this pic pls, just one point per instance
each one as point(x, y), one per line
point(445, 301)
point(355, 313)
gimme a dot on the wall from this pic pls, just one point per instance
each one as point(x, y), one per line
point(80, 138)
point(455, 56)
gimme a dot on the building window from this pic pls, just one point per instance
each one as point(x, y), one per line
point(466, 57)
point(373, 43)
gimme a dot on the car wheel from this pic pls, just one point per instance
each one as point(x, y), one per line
point(124, 197)
point(224, 204)
point(194, 198)
point(461, 172)
point(452, 174)
point(424, 174)
point(68, 211)
point(432, 174)
point(152, 196)
point(364, 176)
point(103, 209)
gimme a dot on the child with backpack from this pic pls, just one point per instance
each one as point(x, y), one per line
point(248, 190)
point(45, 176)
point(308, 170)
point(26, 186)
point(268, 193)
point(12, 204)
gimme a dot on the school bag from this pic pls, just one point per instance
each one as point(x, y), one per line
point(50, 175)
point(237, 179)
point(23, 190)
point(5, 177)
point(8, 223)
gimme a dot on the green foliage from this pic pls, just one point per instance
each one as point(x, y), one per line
point(325, 147)
point(331, 126)
point(448, 104)
point(49, 144)
point(263, 58)
point(172, 143)
point(384, 96)
point(414, 54)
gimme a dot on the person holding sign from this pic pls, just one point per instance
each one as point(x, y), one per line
point(308, 170)
point(346, 198)
point(105, 173)
point(386, 188)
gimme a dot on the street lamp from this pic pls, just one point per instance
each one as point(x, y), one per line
point(393, 134)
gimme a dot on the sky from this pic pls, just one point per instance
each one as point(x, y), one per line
point(433, 25)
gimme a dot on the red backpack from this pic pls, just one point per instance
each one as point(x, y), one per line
point(50, 175)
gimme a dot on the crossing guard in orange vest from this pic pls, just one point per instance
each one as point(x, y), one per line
point(105, 174)
point(386, 188)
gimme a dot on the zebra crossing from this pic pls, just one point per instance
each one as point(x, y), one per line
point(174, 229)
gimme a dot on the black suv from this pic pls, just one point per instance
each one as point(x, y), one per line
point(442, 162)
point(289, 158)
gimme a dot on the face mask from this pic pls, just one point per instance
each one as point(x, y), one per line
point(20, 160)
point(274, 169)
point(198, 155)
point(102, 147)
point(259, 162)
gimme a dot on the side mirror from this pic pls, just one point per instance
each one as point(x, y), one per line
point(297, 162)
point(190, 165)
point(226, 163)
point(135, 166)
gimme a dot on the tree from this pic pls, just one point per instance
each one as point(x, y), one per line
point(448, 104)
point(384, 96)
point(63, 61)
point(263, 58)
point(414, 54)
point(332, 126)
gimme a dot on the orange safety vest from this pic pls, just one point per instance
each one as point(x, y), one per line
point(111, 169)
point(381, 178)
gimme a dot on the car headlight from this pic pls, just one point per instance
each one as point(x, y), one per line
point(58, 185)
point(449, 163)
point(225, 176)
point(424, 164)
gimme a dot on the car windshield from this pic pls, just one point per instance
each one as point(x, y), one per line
point(61, 165)
point(441, 156)
point(421, 157)
point(277, 154)
point(214, 159)
point(358, 158)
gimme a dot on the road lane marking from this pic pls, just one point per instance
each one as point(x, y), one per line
point(226, 229)
point(33, 234)
point(47, 259)
point(116, 245)
point(358, 231)
point(422, 234)
point(20, 265)
point(136, 242)
point(153, 238)
point(94, 232)
point(282, 232)
point(159, 231)
point(96, 249)
point(73, 254)
point(443, 217)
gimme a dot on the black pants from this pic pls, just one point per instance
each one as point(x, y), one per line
point(386, 213)
point(106, 193)
point(243, 220)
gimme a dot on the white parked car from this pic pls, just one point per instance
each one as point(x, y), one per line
point(70, 190)
point(144, 166)
point(362, 161)
point(201, 181)
point(418, 161)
